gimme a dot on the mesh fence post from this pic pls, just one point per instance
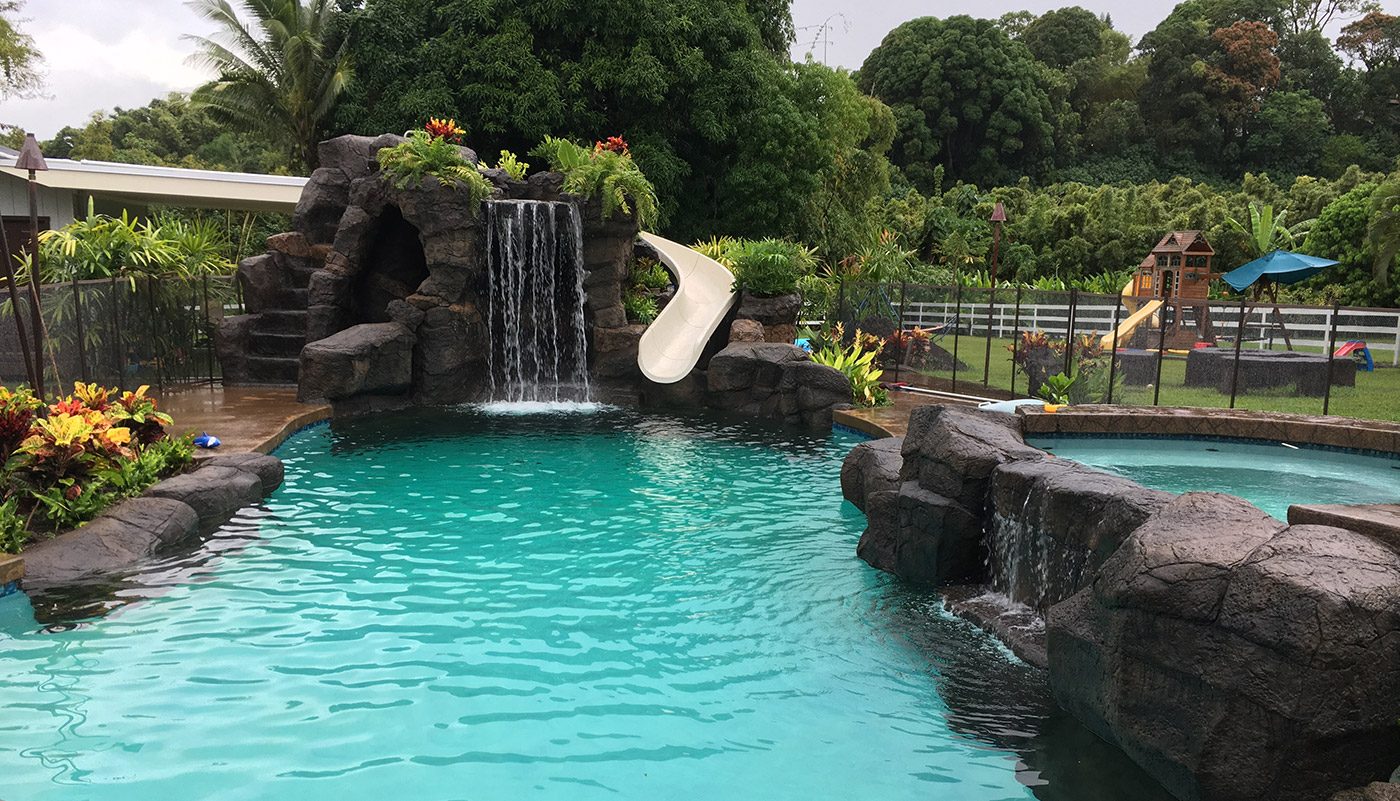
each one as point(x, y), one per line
point(117, 336)
point(957, 328)
point(1069, 332)
point(209, 331)
point(82, 338)
point(1161, 353)
point(902, 341)
point(991, 312)
point(1015, 337)
point(1235, 364)
point(1113, 354)
point(1331, 360)
point(155, 334)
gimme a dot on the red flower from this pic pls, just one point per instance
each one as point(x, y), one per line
point(445, 129)
point(73, 492)
point(615, 144)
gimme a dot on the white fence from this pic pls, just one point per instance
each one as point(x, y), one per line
point(1308, 328)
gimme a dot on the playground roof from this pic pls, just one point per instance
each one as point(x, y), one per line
point(1280, 266)
point(1184, 241)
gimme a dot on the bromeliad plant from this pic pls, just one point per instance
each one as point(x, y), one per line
point(606, 173)
point(63, 464)
point(858, 362)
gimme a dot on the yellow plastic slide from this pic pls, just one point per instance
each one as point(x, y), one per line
point(672, 344)
point(1137, 318)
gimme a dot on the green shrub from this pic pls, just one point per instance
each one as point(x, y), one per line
point(511, 165)
point(857, 362)
point(649, 274)
point(640, 307)
point(603, 173)
point(719, 248)
point(423, 155)
point(13, 533)
point(770, 267)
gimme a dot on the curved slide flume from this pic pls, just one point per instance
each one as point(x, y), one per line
point(672, 344)
point(1136, 317)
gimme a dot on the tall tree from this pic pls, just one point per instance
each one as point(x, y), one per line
point(21, 64)
point(1063, 36)
point(967, 97)
point(279, 74)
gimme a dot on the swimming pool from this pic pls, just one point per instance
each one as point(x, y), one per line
point(1272, 477)
point(450, 605)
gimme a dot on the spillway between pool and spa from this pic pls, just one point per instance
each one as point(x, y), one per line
point(1270, 476)
point(450, 604)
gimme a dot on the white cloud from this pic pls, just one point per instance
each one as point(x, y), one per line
point(100, 54)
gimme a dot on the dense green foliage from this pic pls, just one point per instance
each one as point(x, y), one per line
point(20, 60)
point(102, 246)
point(169, 132)
point(279, 73)
point(965, 97)
point(61, 464)
point(733, 135)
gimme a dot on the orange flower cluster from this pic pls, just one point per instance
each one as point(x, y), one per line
point(614, 144)
point(445, 129)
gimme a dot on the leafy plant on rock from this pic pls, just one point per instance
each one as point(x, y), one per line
point(857, 361)
point(770, 267)
point(640, 307)
point(606, 173)
point(422, 156)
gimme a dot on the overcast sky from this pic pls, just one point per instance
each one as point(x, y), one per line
point(106, 53)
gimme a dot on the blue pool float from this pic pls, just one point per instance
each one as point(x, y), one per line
point(207, 441)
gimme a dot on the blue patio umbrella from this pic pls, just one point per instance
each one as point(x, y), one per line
point(1281, 267)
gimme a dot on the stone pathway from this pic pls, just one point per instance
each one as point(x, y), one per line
point(244, 418)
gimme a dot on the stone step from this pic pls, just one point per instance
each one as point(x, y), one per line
point(275, 343)
point(300, 277)
point(283, 321)
point(272, 370)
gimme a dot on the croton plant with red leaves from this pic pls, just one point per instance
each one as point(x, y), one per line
point(615, 144)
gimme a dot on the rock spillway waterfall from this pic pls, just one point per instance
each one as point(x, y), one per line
point(535, 303)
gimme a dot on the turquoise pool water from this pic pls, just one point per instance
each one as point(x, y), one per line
point(1272, 477)
point(453, 605)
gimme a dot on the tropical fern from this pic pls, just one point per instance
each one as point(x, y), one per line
point(612, 178)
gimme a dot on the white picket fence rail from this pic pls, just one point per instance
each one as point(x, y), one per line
point(1308, 328)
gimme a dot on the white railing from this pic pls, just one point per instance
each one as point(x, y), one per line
point(1308, 328)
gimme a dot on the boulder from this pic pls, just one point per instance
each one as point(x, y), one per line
point(233, 342)
point(449, 355)
point(115, 541)
point(746, 331)
point(775, 381)
point(1375, 791)
point(921, 536)
point(351, 154)
point(268, 469)
point(291, 244)
point(322, 201)
point(871, 467)
point(1236, 661)
point(214, 493)
point(777, 310)
point(367, 359)
point(615, 351)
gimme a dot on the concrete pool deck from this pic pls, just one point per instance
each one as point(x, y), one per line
point(256, 418)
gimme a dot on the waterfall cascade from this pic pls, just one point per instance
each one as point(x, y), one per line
point(534, 252)
point(1028, 565)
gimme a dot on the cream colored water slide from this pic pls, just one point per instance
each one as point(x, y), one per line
point(1136, 318)
point(673, 342)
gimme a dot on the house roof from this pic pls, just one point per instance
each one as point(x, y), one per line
point(1184, 241)
point(173, 186)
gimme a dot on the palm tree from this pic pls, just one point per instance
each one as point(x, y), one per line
point(1385, 229)
point(1266, 232)
point(277, 75)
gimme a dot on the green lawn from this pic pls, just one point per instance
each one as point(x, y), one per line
point(1376, 395)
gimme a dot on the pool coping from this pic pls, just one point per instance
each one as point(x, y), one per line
point(1344, 434)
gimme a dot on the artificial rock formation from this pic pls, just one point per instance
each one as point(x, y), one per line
point(929, 529)
point(1237, 660)
point(775, 381)
point(1232, 656)
point(365, 254)
point(171, 513)
point(778, 315)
